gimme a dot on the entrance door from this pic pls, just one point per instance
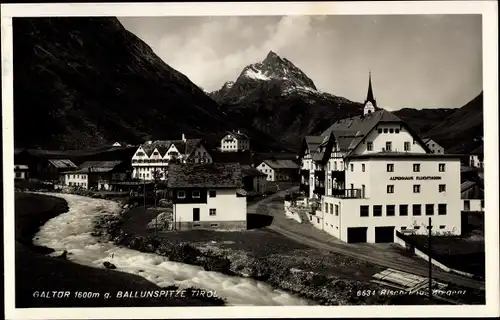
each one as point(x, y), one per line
point(466, 205)
point(356, 235)
point(384, 234)
point(196, 214)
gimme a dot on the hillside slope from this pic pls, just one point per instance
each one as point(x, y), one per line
point(463, 130)
point(82, 82)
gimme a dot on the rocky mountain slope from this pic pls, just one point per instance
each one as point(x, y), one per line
point(81, 82)
point(276, 97)
point(458, 130)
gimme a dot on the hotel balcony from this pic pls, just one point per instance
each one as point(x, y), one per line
point(339, 175)
point(304, 173)
point(319, 188)
point(347, 193)
point(319, 175)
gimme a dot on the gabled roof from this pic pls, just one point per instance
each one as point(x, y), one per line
point(313, 142)
point(185, 147)
point(350, 132)
point(466, 185)
point(62, 163)
point(281, 164)
point(97, 166)
point(211, 175)
point(249, 171)
point(238, 135)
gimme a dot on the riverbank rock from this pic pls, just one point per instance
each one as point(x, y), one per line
point(108, 265)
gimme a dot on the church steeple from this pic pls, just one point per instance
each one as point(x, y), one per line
point(370, 102)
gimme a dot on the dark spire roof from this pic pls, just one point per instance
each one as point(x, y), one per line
point(369, 96)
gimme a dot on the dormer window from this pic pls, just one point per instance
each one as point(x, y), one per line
point(181, 194)
point(386, 130)
point(140, 153)
point(196, 194)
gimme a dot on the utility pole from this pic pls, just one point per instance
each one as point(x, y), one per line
point(430, 259)
point(144, 181)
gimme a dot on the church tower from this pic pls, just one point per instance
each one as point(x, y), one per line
point(370, 102)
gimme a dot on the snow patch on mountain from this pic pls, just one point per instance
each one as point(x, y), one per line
point(256, 74)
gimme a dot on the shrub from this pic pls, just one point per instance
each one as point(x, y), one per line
point(184, 253)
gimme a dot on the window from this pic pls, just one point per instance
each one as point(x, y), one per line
point(403, 228)
point(442, 188)
point(181, 194)
point(388, 146)
point(364, 211)
point(363, 167)
point(139, 154)
point(397, 130)
point(407, 146)
point(416, 167)
point(377, 211)
point(417, 210)
point(18, 174)
point(336, 209)
point(379, 130)
point(212, 193)
point(403, 209)
point(390, 189)
point(416, 188)
point(369, 146)
point(196, 194)
point(482, 203)
point(417, 227)
point(331, 208)
point(429, 209)
point(326, 207)
point(442, 209)
point(391, 130)
point(390, 167)
point(352, 167)
point(212, 212)
point(442, 227)
point(390, 210)
point(442, 167)
point(386, 130)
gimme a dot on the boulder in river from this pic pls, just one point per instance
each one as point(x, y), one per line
point(109, 265)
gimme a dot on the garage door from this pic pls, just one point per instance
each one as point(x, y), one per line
point(384, 234)
point(356, 235)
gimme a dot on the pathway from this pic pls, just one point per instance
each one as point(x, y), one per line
point(381, 254)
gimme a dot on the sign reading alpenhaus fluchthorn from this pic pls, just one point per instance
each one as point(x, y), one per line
point(417, 178)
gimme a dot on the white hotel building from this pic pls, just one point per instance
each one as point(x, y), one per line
point(155, 156)
point(373, 175)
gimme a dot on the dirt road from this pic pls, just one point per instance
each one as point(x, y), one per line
point(381, 254)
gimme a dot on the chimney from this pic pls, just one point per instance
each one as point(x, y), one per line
point(183, 137)
point(149, 142)
point(239, 131)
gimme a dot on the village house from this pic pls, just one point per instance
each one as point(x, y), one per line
point(97, 175)
point(254, 181)
point(476, 157)
point(372, 175)
point(235, 141)
point(279, 170)
point(207, 196)
point(433, 146)
point(152, 158)
point(44, 165)
point(21, 172)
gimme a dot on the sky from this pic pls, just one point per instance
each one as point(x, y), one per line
point(416, 61)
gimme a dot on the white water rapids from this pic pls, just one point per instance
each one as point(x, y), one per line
point(72, 230)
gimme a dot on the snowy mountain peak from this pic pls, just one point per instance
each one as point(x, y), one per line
point(274, 67)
